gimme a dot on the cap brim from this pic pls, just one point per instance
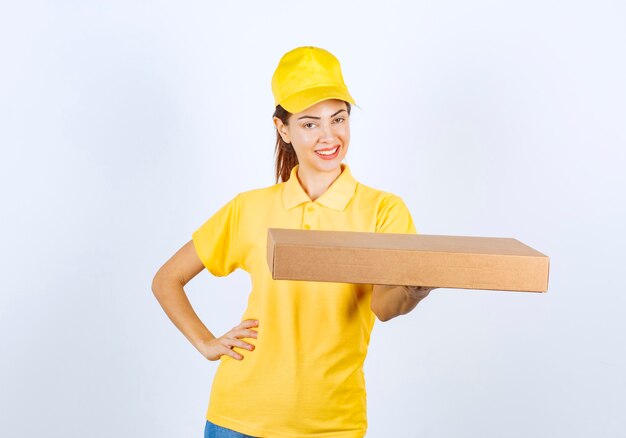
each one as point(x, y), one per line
point(301, 100)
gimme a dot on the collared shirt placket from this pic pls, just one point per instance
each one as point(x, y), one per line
point(310, 217)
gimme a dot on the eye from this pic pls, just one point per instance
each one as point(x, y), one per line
point(306, 125)
point(339, 119)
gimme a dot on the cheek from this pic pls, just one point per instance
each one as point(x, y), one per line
point(344, 133)
point(305, 138)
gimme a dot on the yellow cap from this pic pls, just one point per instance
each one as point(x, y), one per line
point(305, 76)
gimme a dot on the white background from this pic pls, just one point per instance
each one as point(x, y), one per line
point(125, 125)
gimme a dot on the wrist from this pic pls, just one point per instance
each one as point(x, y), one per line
point(203, 340)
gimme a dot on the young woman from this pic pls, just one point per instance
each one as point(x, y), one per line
point(293, 366)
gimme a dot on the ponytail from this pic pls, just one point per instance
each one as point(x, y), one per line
point(286, 158)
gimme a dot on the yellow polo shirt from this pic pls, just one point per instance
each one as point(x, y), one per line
point(305, 376)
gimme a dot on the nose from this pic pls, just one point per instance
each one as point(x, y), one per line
point(327, 133)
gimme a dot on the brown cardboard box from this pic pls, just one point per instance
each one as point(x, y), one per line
point(406, 259)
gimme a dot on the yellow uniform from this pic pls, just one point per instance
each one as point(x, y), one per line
point(305, 376)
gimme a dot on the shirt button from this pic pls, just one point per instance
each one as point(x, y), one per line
point(307, 226)
point(310, 209)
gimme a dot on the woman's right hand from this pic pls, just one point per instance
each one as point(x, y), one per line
point(216, 347)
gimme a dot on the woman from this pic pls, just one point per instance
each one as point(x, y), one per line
point(293, 367)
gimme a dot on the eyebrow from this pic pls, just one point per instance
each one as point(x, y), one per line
point(311, 117)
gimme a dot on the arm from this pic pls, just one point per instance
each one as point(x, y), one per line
point(167, 287)
point(391, 301)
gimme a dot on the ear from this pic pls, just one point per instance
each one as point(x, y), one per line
point(282, 129)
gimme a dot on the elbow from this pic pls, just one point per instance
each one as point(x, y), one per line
point(384, 314)
point(157, 283)
point(382, 319)
point(379, 303)
point(385, 318)
point(164, 281)
point(380, 315)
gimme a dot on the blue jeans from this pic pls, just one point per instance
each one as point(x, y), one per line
point(212, 430)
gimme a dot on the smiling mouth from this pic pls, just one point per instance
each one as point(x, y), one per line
point(327, 152)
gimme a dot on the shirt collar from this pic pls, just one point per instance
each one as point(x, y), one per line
point(336, 196)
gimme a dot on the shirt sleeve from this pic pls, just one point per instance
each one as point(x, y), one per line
point(394, 217)
point(216, 240)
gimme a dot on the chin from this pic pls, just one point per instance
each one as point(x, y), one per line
point(330, 165)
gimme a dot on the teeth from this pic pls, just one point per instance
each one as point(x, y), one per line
point(328, 152)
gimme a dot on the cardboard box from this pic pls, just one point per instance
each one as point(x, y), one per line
point(492, 263)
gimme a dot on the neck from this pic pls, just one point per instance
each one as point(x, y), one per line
point(315, 183)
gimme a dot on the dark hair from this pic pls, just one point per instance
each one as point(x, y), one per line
point(286, 158)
